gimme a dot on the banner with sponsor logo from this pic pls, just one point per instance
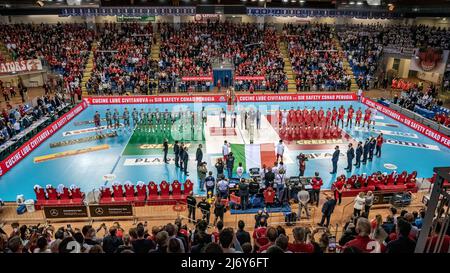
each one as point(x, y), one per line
point(412, 144)
point(154, 99)
point(433, 134)
point(249, 78)
point(128, 11)
point(298, 97)
point(111, 210)
point(20, 66)
point(305, 12)
point(55, 212)
point(42, 136)
point(199, 79)
point(147, 161)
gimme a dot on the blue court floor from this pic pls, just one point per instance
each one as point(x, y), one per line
point(405, 149)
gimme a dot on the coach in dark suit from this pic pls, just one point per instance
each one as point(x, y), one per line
point(327, 210)
point(359, 152)
point(350, 156)
point(176, 151)
point(185, 159)
point(335, 159)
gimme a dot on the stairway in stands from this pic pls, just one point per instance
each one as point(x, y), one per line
point(346, 64)
point(88, 70)
point(5, 56)
point(282, 45)
point(155, 53)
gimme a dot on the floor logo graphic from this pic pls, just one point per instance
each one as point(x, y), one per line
point(412, 144)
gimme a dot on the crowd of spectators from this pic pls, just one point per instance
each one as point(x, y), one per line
point(316, 62)
point(13, 120)
point(190, 48)
point(363, 45)
point(122, 60)
point(63, 47)
point(396, 233)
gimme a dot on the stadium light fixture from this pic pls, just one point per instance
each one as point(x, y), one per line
point(40, 3)
point(351, 3)
point(302, 1)
point(359, 3)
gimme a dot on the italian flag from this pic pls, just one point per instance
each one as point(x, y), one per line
point(253, 155)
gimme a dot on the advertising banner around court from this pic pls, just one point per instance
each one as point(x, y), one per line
point(65, 212)
point(154, 99)
point(298, 97)
point(42, 136)
point(20, 66)
point(249, 78)
point(199, 79)
point(111, 210)
point(434, 135)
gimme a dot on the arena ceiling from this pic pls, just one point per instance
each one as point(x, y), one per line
point(411, 7)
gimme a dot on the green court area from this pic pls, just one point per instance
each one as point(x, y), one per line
point(149, 139)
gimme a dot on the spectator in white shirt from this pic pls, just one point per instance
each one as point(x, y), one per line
point(225, 149)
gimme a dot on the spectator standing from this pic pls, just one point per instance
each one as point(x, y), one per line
point(242, 235)
point(205, 208)
point(316, 185)
point(111, 242)
point(359, 204)
point(192, 205)
point(303, 200)
point(230, 164)
point(403, 244)
point(199, 155)
point(219, 210)
point(368, 202)
point(327, 211)
point(243, 193)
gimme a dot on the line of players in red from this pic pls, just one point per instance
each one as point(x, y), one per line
point(313, 124)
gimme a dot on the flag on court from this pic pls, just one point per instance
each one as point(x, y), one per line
point(253, 155)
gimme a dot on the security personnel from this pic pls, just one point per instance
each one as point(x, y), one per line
point(350, 156)
point(205, 208)
point(199, 155)
point(359, 152)
point(176, 151)
point(191, 203)
point(210, 183)
point(243, 193)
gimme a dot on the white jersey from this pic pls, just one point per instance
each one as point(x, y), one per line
point(284, 115)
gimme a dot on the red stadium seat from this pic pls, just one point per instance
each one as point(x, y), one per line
point(65, 195)
point(164, 189)
point(40, 194)
point(188, 187)
point(52, 193)
point(176, 189)
point(105, 195)
point(117, 191)
point(152, 190)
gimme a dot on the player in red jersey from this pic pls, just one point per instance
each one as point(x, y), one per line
point(341, 114)
point(314, 117)
point(328, 118)
point(367, 114)
point(321, 114)
point(299, 116)
point(291, 116)
point(334, 114)
point(350, 116)
point(358, 117)
point(307, 117)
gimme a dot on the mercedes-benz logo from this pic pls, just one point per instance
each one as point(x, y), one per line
point(99, 211)
point(54, 212)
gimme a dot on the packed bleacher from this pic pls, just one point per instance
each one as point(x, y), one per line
point(316, 62)
point(63, 47)
point(190, 50)
point(122, 60)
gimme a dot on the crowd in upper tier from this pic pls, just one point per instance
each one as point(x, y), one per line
point(316, 61)
point(123, 61)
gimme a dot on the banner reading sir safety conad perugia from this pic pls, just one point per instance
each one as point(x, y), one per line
point(38, 139)
point(433, 134)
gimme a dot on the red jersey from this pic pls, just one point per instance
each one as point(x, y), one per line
point(301, 247)
point(358, 115)
point(341, 113)
point(350, 113)
point(334, 116)
point(433, 240)
point(365, 244)
point(367, 114)
point(317, 183)
point(380, 141)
